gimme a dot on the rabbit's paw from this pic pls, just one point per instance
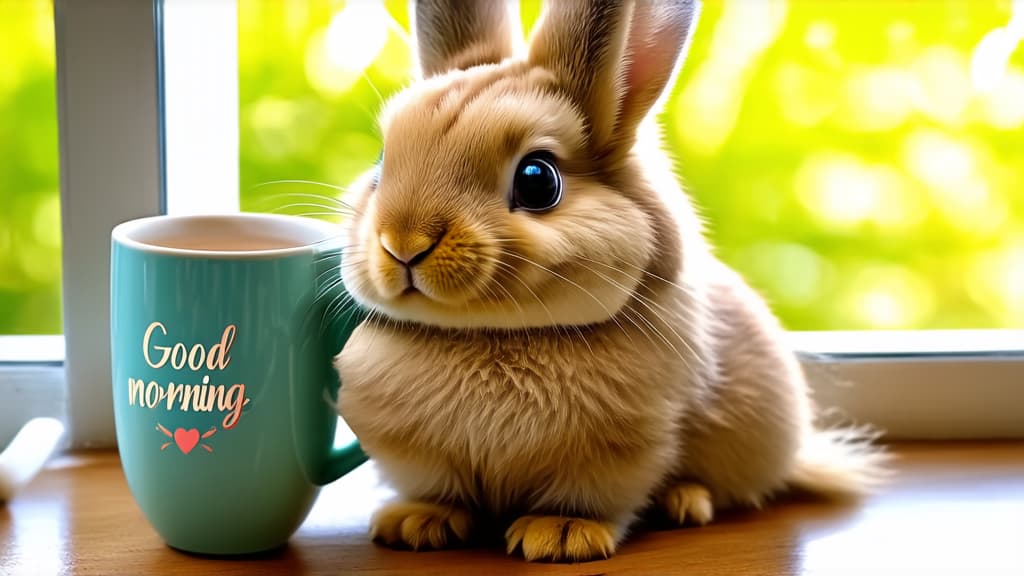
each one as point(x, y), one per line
point(561, 539)
point(420, 525)
point(688, 502)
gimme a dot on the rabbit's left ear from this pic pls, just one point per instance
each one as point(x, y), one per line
point(458, 34)
point(658, 35)
point(613, 59)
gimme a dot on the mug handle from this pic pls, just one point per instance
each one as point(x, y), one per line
point(343, 460)
point(339, 460)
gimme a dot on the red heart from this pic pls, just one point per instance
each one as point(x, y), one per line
point(186, 439)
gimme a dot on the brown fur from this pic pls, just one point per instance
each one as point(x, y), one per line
point(568, 368)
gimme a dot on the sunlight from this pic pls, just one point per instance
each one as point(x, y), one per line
point(844, 191)
point(877, 544)
point(820, 35)
point(46, 221)
point(805, 96)
point(395, 60)
point(272, 117)
point(711, 103)
point(33, 45)
point(1013, 285)
point(996, 279)
point(795, 273)
point(838, 188)
point(950, 169)
point(356, 34)
point(819, 138)
point(337, 57)
point(992, 54)
point(938, 160)
point(1003, 106)
point(875, 99)
point(943, 84)
point(886, 296)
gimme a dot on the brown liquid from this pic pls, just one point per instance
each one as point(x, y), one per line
point(224, 243)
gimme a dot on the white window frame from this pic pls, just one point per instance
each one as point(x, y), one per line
point(124, 142)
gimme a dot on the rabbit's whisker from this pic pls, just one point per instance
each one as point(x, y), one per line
point(306, 195)
point(647, 303)
point(510, 271)
point(346, 251)
point(686, 289)
point(298, 181)
point(341, 189)
point(629, 317)
point(308, 214)
point(380, 97)
point(579, 287)
point(325, 290)
point(514, 274)
point(334, 209)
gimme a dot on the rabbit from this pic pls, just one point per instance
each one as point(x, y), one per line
point(552, 348)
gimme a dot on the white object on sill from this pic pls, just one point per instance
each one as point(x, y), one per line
point(27, 453)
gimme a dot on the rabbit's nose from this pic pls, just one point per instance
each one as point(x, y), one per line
point(409, 250)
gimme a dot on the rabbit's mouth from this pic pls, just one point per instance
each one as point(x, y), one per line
point(500, 299)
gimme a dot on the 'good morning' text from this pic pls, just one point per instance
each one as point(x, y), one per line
point(195, 397)
point(204, 397)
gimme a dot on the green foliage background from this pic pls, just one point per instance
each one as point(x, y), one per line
point(29, 172)
point(849, 157)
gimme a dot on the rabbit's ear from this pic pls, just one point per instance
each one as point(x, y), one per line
point(658, 37)
point(582, 43)
point(458, 34)
point(612, 58)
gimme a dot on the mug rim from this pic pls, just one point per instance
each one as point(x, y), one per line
point(122, 234)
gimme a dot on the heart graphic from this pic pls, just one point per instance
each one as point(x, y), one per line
point(186, 439)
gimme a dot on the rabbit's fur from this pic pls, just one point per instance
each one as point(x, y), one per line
point(558, 374)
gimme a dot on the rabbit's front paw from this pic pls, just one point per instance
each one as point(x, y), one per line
point(420, 525)
point(561, 539)
point(688, 502)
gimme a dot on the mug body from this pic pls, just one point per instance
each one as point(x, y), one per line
point(222, 380)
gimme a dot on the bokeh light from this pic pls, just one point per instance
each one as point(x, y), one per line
point(30, 229)
point(860, 162)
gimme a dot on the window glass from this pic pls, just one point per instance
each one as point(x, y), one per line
point(859, 162)
point(30, 231)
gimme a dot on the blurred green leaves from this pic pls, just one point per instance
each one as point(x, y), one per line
point(29, 171)
point(845, 156)
point(859, 161)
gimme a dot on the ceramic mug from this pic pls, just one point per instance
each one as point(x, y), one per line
point(223, 330)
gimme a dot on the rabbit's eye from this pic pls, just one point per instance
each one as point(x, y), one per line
point(537, 186)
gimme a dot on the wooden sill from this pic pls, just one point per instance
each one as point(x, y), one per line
point(953, 509)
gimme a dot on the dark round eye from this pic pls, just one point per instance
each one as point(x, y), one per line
point(537, 186)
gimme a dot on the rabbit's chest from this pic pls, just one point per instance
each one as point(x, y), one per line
point(494, 412)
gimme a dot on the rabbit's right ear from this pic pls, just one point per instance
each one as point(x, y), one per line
point(458, 34)
point(613, 59)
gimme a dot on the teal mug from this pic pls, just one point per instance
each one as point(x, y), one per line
point(223, 331)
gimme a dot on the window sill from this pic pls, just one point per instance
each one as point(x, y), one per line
point(935, 385)
point(953, 508)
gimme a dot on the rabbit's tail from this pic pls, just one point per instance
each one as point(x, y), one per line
point(27, 453)
point(840, 463)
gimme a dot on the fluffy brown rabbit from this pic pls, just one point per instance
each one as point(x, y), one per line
point(554, 349)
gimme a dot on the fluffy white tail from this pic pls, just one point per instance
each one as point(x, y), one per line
point(840, 463)
point(26, 454)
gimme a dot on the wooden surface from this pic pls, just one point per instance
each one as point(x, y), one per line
point(953, 509)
